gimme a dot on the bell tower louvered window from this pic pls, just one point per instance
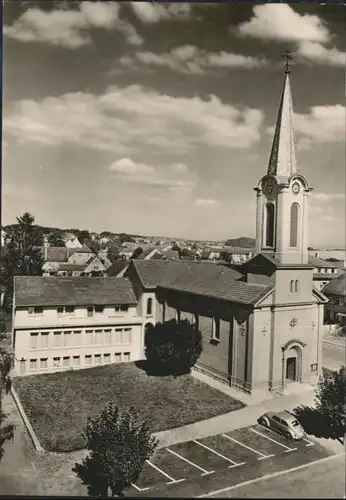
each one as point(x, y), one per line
point(270, 225)
point(294, 225)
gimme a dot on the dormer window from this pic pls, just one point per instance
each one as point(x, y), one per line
point(99, 309)
point(35, 310)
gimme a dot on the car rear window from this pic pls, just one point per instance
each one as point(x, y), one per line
point(295, 423)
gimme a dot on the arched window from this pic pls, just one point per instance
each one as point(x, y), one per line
point(149, 307)
point(270, 225)
point(296, 286)
point(294, 225)
point(292, 286)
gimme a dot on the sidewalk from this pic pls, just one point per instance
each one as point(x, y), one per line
point(334, 339)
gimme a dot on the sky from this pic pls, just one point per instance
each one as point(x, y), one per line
point(157, 118)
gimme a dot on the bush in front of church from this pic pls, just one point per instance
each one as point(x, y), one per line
point(172, 347)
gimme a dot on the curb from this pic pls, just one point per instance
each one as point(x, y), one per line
point(26, 421)
point(334, 343)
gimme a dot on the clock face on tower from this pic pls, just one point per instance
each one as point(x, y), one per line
point(269, 187)
point(295, 187)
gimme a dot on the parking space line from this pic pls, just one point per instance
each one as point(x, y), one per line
point(205, 472)
point(172, 480)
point(217, 453)
point(288, 449)
point(310, 443)
point(139, 489)
point(248, 447)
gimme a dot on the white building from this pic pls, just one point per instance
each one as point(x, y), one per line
point(71, 323)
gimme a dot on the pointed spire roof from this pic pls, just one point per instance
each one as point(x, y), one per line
point(283, 162)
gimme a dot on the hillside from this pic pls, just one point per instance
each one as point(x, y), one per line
point(243, 242)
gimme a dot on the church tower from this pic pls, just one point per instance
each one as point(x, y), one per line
point(282, 194)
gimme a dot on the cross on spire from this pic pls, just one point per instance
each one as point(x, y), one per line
point(288, 57)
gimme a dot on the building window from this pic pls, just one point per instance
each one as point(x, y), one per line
point(117, 308)
point(127, 356)
point(98, 337)
point(22, 367)
point(149, 307)
point(99, 309)
point(126, 336)
point(106, 359)
point(294, 286)
point(76, 361)
point(44, 364)
point(56, 363)
point(107, 336)
point(117, 335)
point(33, 365)
point(124, 307)
point(35, 310)
point(57, 339)
point(60, 310)
point(66, 361)
point(97, 359)
point(67, 339)
point(314, 367)
point(69, 309)
point(77, 338)
point(44, 340)
point(90, 310)
point(117, 357)
point(294, 225)
point(216, 329)
point(33, 340)
point(270, 225)
point(88, 337)
point(88, 360)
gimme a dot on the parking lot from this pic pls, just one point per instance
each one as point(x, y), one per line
point(251, 448)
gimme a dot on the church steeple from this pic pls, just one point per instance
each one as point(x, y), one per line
point(283, 160)
point(282, 194)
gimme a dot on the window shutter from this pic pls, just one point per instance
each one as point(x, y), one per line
point(294, 225)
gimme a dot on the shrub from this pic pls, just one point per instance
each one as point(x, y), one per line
point(173, 347)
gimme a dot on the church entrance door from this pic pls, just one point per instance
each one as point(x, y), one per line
point(291, 368)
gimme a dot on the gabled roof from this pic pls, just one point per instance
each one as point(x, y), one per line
point(66, 266)
point(282, 162)
point(55, 254)
point(83, 249)
point(171, 254)
point(270, 258)
point(117, 267)
point(54, 291)
point(336, 286)
point(317, 262)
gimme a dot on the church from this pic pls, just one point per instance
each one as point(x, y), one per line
point(262, 323)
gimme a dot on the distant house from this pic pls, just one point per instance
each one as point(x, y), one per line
point(79, 255)
point(170, 255)
point(324, 271)
point(335, 309)
point(72, 242)
point(240, 255)
point(104, 240)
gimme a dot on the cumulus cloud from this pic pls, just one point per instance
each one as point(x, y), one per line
point(70, 28)
point(149, 12)
point(164, 176)
point(280, 22)
point(189, 59)
point(123, 119)
point(206, 202)
point(322, 124)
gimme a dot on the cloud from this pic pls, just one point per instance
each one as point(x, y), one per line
point(320, 125)
point(153, 12)
point(327, 197)
point(189, 59)
point(127, 119)
point(176, 180)
point(70, 28)
point(281, 22)
point(315, 52)
point(206, 203)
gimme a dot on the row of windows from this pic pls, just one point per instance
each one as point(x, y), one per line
point(67, 362)
point(77, 338)
point(61, 310)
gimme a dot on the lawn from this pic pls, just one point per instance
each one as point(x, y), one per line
point(58, 404)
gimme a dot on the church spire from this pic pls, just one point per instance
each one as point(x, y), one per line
point(282, 160)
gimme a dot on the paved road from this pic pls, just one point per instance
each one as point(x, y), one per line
point(321, 480)
point(334, 356)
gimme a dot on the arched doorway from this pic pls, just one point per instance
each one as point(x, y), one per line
point(292, 361)
point(147, 329)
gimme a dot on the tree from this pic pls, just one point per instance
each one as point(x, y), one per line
point(113, 253)
point(328, 418)
point(23, 257)
point(225, 256)
point(83, 236)
point(119, 445)
point(137, 253)
point(6, 364)
point(172, 347)
point(55, 240)
point(125, 237)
